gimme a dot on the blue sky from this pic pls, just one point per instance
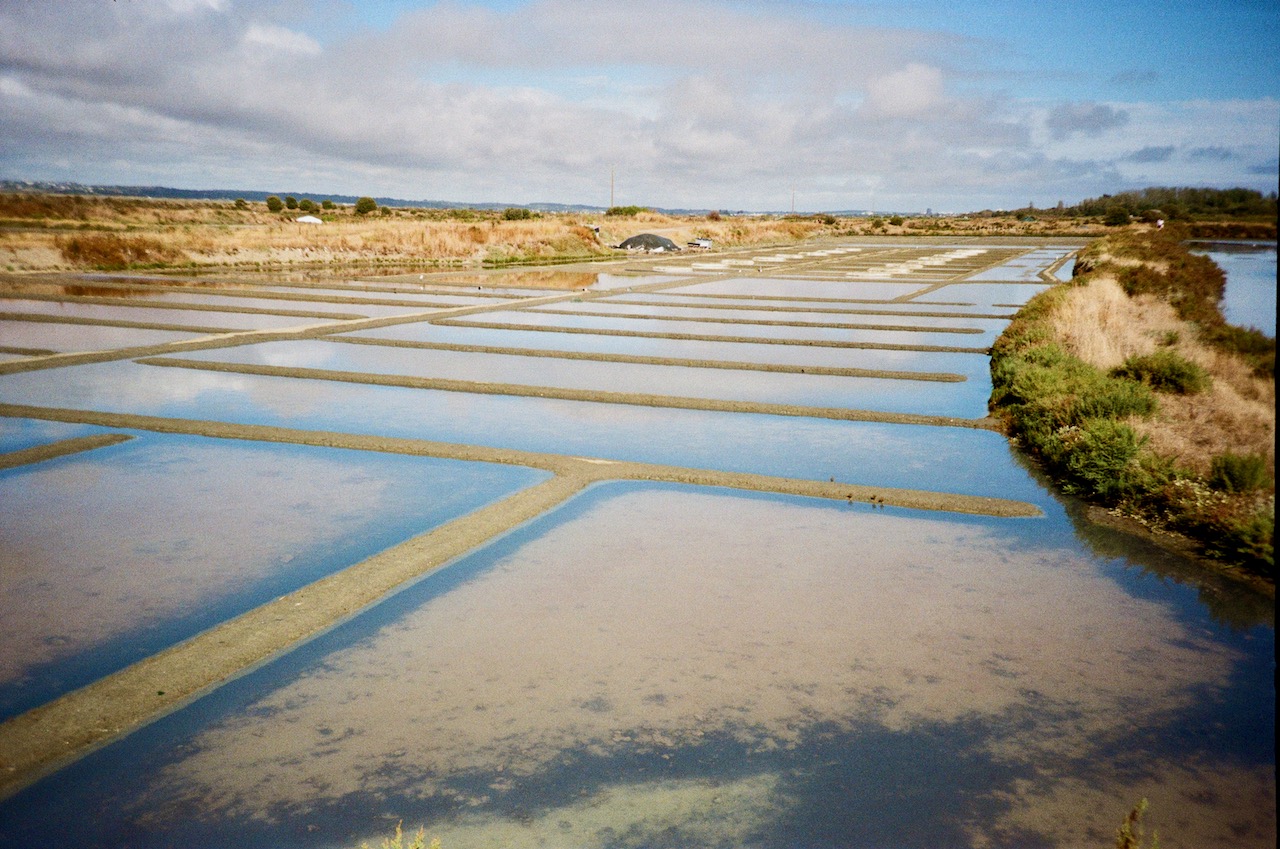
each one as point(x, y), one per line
point(701, 104)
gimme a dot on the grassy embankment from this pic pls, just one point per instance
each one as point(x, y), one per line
point(68, 232)
point(1133, 391)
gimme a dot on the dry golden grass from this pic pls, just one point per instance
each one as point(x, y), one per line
point(1103, 326)
point(36, 232)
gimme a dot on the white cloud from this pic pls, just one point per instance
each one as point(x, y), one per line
point(910, 91)
point(279, 38)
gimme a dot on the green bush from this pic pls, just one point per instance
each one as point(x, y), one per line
point(896, 221)
point(516, 213)
point(327, 204)
point(365, 205)
point(307, 205)
point(1239, 472)
point(274, 203)
point(1102, 457)
point(1165, 371)
point(291, 202)
point(625, 211)
point(1116, 216)
point(241, 203)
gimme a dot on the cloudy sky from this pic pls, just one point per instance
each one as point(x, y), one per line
point(697, 104)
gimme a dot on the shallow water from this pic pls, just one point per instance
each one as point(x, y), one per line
point(1250, 298)
point(159, 315)
point(252, 303)
point(673, 298)
point(966, 334)
point(787, 681)
point(973, 366)
point(965, 400)
point(794, 288)
point(19, 434)
point(114, 554)
point(986, 295)
point(947, 459)
point(67, 338)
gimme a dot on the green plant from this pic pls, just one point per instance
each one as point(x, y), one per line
point(307, 205)
point(274, 203)
point(419, 841)
point(1131, 833)
point(516, 213)
point(1115, 216)
point(291, 202)
point(241, 203)
point(1165, 371)
point(1239, 472)
point(625, 211)
point(1102, 456)
point(327, 204)
point(896, 220)
point(365, 205)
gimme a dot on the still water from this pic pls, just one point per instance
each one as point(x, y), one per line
point(1250, 299)
point(762, 671)
point(116, 553)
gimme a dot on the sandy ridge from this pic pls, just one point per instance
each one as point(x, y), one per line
point(62, 448)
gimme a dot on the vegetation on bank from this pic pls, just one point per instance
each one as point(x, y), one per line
point(1134, 392)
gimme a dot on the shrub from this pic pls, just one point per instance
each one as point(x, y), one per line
point(1239, 472)
point(111, 251)
point(291, 202)
point(327, 204)
point(625, 211)
point(365, 205)
point(1116, 216)
point(714, 215)
point(896, 221)
point(516, 213)
point(274, 203)
point(307, 205)
point(1102, 457)
point(1165, 371)
point(241, 203)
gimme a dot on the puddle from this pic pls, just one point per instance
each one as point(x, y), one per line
point(114, 554)
point(954, 337)
point(946, 459)
point(158, 315)
point(763, 671)
point(973, 366)
point(964, 400)
point(67, 338)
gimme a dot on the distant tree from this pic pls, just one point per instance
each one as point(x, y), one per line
point(327, 204)
point(516, 213)
point(274, 203)
point(625, 211)
point(307, 205)
point(896, 221)
point(713, 215)
point(291, 202)
point(366, 205)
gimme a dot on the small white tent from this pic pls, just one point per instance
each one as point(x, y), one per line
point(308, 219)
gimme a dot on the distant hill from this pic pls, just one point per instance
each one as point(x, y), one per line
point(248, 194)
point(67, 188)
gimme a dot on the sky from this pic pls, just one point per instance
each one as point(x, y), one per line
point(812, 105)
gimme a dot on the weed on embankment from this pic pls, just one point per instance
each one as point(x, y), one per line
point(1134, 393)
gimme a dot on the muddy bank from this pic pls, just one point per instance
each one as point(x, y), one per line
point(62, 448)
